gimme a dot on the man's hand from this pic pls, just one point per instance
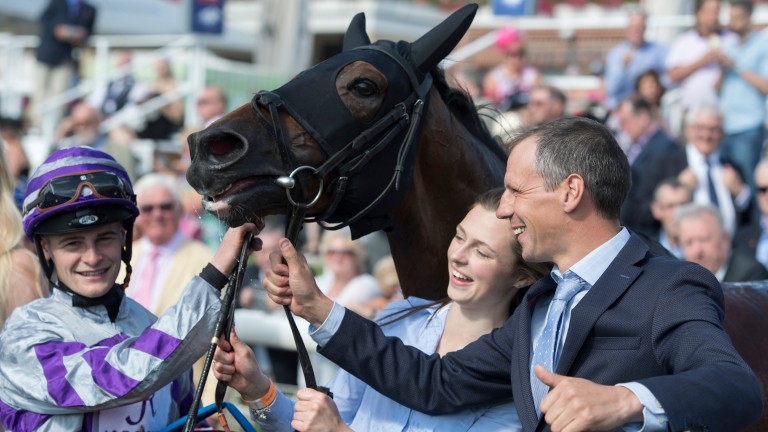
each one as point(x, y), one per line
point(688, 178)
point(234, 363)
point(575, 404)
point(315, 412)
point(732, 180)
point(294, 285)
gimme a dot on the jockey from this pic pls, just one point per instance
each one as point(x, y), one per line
point(89, 357)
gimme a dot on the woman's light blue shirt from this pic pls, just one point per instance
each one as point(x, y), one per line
point(364, 409)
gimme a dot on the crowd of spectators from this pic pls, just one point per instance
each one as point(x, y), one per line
point(690, 116)
point(699, 186)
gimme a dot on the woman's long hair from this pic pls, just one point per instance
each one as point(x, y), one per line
point(10, 242)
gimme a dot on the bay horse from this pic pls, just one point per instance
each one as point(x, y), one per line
point(450, 162)
point(375, 137)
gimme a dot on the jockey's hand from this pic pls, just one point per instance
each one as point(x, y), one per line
point(293, 284)
point(229, 250)
point(315, 412)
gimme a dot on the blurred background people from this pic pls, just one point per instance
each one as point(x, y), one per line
point(753, 237)
point(18, 164)
point(21, 280)
point(121, 91)
point(82, 128)
point(705, 241)
point(630, 59)
point(386, 275)
point(743, 90)
point(693, 58)
point(65, 25)
point(713, 179)
point(670, 194)
point(211, 105)
point(507, 85)
point(167, 121)
point(653, 156)
point(344, 278)
point(546, 103)
point(649, 86)
point(163, 258)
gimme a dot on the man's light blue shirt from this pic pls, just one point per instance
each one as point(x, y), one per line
point(743, 106)
point(589, 268)
point(620, 79)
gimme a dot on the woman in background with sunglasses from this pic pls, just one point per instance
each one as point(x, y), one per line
point(88, 357)
point(344, 279)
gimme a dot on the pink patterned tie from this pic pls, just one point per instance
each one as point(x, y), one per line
point(144, 291)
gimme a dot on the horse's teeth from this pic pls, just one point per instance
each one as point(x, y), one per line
point(223, 190)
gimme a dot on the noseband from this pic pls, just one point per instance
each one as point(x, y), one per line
point(346, 163)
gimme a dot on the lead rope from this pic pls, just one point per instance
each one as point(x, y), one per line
point(223, 328)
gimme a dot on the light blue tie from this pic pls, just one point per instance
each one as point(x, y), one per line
point(545, 352)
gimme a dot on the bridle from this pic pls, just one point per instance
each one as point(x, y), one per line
point(347, 162)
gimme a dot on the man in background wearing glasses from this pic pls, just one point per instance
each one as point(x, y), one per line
point(164, 260)
point(753, 238)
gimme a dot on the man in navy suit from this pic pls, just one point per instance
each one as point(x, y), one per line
point(640, 344)
point(65, 25)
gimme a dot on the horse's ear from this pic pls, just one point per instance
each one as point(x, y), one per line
point(356, 35)
point(429, 49)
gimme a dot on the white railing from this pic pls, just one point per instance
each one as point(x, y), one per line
point(17, 71)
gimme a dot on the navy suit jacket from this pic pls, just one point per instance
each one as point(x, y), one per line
point(52, 51)
point(649, 319)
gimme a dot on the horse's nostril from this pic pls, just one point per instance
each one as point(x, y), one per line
point(220, 147)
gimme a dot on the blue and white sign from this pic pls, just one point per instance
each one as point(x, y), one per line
point(208, 16)
point(511, 7)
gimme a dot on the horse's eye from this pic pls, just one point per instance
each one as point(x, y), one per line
point(364, 87)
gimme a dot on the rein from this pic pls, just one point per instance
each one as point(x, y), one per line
point(222, 329)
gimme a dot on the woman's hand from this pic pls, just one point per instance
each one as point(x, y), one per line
point(235, 364)
point(315, 412)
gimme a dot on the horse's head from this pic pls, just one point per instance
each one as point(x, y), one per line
point(348, 118)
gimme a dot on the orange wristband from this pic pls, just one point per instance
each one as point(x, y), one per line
point(264, 401)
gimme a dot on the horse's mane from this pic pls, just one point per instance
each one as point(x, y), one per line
point(460, 103)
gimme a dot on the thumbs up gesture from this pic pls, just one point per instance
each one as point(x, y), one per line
point(575, 404)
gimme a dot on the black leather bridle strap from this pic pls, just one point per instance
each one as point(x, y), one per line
point(272, 101)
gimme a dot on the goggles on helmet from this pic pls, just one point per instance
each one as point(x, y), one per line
point(66, 189)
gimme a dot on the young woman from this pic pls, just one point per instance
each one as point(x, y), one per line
point(88, 357)
point(487, 279)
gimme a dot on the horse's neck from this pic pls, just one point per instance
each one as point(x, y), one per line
point(452, 167)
